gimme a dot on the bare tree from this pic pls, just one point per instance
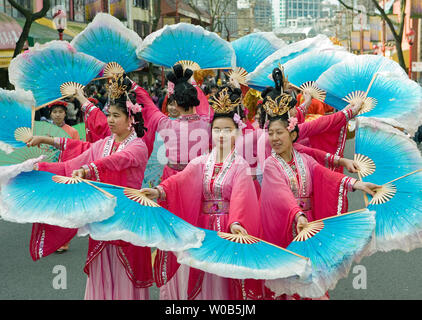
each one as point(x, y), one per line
point(30, 17)
point(215, 8)
point(396, 32)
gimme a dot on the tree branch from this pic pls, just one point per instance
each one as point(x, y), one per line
point(25, 12)
point(45, 7)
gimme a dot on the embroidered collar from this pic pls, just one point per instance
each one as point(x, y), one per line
point(216, 192)
point(299, 187)
point(109, 144)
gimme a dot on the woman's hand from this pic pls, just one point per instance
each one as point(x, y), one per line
point(307, 98)
point(80, 96)
point(35, 141)
point(367, 187)
point(236, 228)
point(80, 173)
point(349, 164)
point(301, 223)
point(355, 107)
point(150, 193)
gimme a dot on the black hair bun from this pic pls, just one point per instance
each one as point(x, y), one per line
point(185, 94)
point(179, 75)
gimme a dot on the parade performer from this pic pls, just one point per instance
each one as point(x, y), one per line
point(215, 192)
point(186, 137)
point(57, 112)
point(295, 188)
point(115, 269)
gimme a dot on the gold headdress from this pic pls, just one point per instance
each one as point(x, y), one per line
point(272, 108)
point(221, 102)
point(115, 87)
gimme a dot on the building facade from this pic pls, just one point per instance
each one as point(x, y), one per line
point(285, 10)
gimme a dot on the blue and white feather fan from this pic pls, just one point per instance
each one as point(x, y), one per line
point(260, 78)
point(332, 244)
point(244, 257)
point(254, 48)
point(142, 222)
point(398, 206)
point(383, 152)
point(15, 112)
point(42, 197)
point(356, 74)
point(45, 68)
point(309, 66)
point(107, 39)
point(195, 46)
point(389, 158)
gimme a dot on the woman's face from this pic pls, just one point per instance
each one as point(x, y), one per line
point(281, 140)
point(172, 109)
point(224, 133)
point(57, 115)
point(117, 121)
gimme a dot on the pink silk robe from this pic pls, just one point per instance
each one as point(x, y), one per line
point(185, 138)
point(317, 192)
point(125, 167)
point(233, 186)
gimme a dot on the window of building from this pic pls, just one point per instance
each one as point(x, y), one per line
point(143, 4)
point(141, 28)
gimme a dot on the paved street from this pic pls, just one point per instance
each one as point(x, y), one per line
point(393, 275)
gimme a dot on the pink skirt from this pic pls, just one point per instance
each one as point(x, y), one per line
point(213, 287)
point(108, 280)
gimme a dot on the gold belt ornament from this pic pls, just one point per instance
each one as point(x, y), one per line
point(216, 207)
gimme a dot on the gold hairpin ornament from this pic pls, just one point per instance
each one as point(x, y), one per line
point(115, 87)
point(272, 108)
point(221, 102)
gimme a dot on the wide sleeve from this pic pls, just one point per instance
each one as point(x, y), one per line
point(66, 168)
point(278, 206)
point(183, 191)
point(329, 123)
point(96, 125)
point(244, 208)
point(70, 148)
point(133, 156)
point(150, 112)
point(329, 191)
point(204, 107)
point(325, 159)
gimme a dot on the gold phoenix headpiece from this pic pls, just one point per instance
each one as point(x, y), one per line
point(221, 102)
point(272, 108)
point(115, 87)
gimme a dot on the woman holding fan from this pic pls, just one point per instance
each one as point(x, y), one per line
point(295, 188)
point(215, 192)
point(116, 269)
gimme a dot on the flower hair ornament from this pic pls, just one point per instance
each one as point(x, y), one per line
point(238, 120)
point(170, 88)
point(132, 109)
point(292, 124)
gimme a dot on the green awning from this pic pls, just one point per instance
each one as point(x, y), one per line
point(41, 34)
